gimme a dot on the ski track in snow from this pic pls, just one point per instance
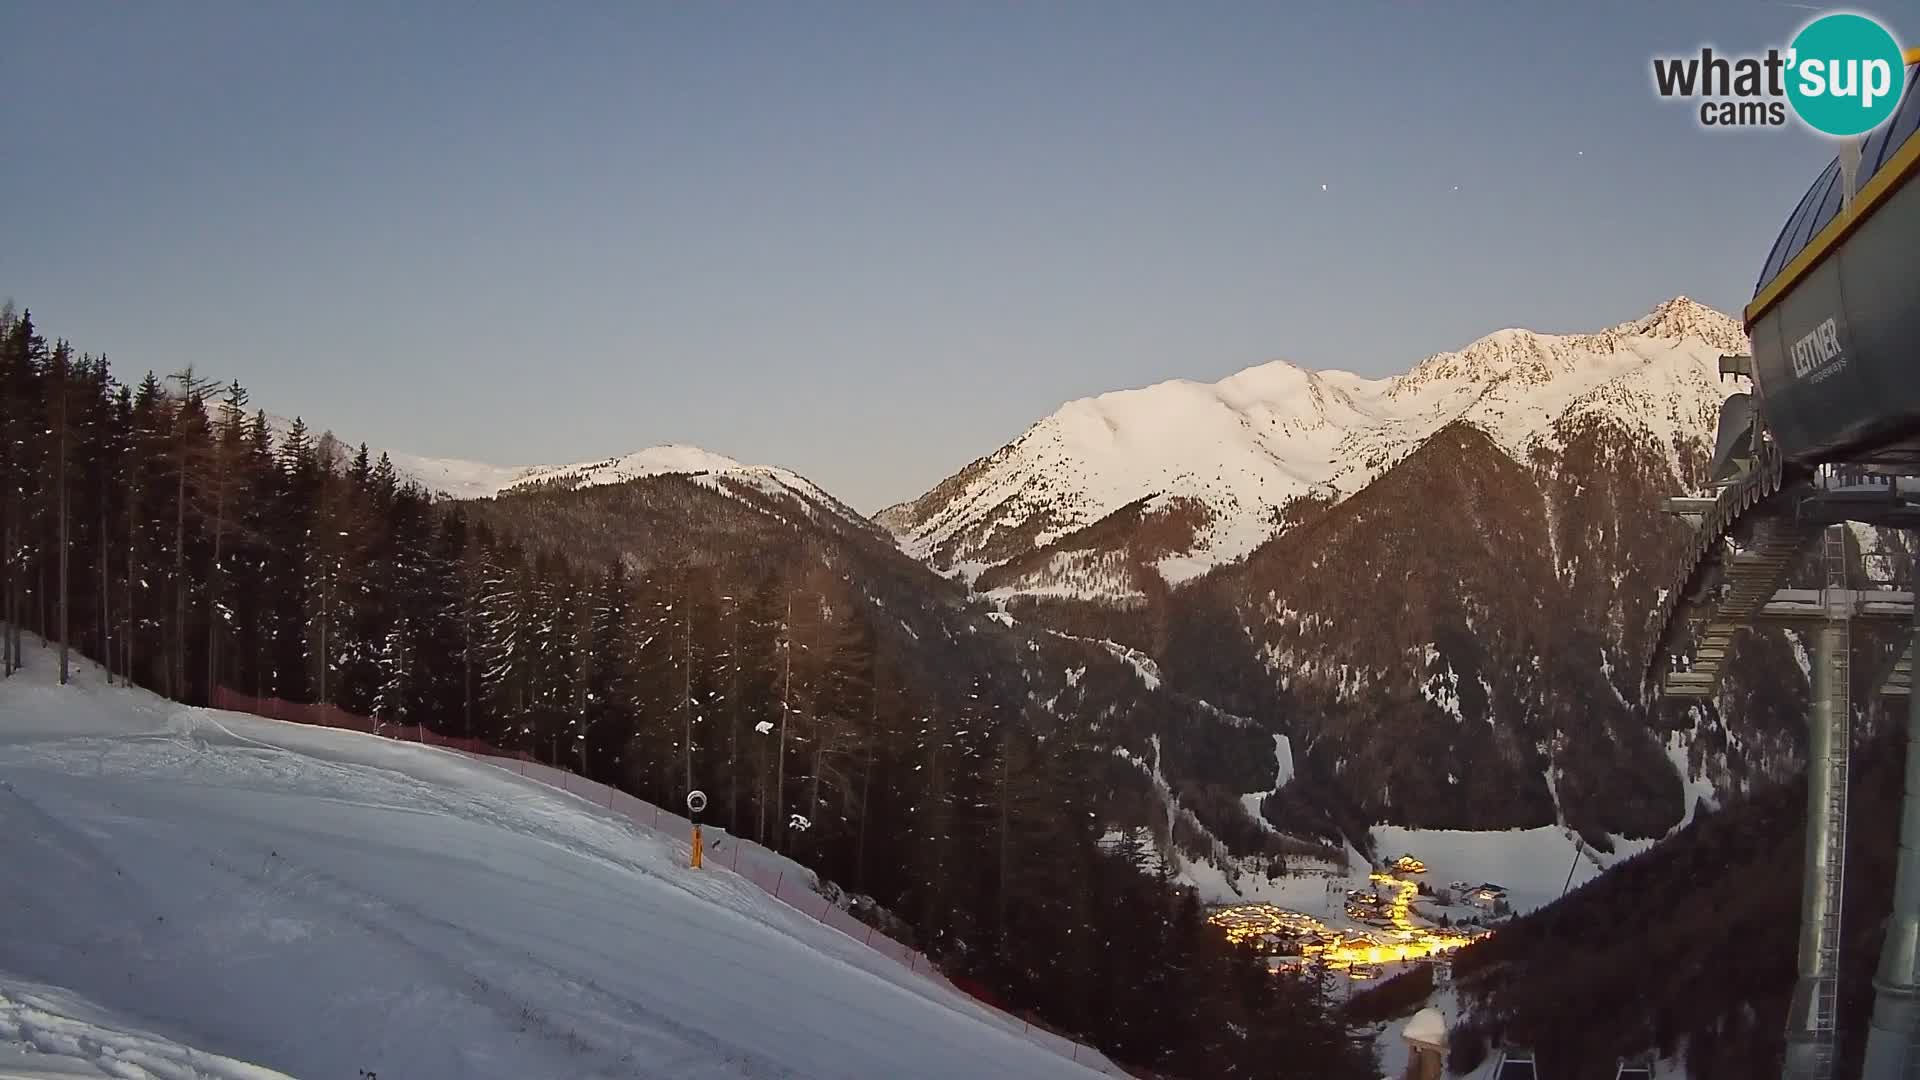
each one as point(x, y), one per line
point(323, 902)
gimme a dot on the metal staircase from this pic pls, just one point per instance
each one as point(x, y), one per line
point(1752, 576)
point(1899, 680)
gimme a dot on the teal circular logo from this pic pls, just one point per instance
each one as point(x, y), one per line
point(1845, 75)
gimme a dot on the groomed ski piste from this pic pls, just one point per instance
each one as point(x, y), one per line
point(200, 894)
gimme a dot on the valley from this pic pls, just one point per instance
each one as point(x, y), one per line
point(1259, 543)
point(1264, 543)
point(1209, 693)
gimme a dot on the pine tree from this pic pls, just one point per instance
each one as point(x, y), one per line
point(610, 692)
point(222, 481)
point(60, 377)
point(128, 515)
point(21, 422)
point(188, 444)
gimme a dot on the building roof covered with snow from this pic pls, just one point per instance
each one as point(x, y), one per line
point(1427, 1028)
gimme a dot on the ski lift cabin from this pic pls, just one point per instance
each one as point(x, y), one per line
point(1835, 317)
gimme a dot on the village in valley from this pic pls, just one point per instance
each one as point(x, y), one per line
point(1396, 920)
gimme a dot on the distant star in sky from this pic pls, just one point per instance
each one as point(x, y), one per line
point(644, 172)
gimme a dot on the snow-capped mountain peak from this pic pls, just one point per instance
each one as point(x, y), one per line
point(665, 459)
point(1228, 457)
point(1682, 317)
point(717, 471)
point(457, 478)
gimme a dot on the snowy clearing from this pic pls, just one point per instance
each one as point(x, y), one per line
point(320, 902)
point(1532, 864)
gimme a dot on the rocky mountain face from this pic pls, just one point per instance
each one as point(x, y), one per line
point(1453, 647)
point(1169, 481)
point(1438, 585)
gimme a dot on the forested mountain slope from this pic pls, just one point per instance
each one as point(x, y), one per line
point(836, 698)
point(1689, 949)
point(1437, 586)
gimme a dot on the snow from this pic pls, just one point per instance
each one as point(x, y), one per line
point(1143, 665)
point(1283, 760)
point(47, 1032)
point(461, 479)
point(320, 902)
point(1391, 1042)
point(1076, 575)
point(1694, 788)
point(456, 478)
point(716, 471)
point(1427, 1026)
point(1442, 688)
point(653, 461)
point(453, 477)
point(1246, 445)
point(1283, 772)
point(1531, 863)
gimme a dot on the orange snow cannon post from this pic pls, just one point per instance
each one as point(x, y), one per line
point(696, 802)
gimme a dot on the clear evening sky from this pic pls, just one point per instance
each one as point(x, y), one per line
point(869, 242)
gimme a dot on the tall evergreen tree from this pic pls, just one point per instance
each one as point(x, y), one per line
point(161, 528)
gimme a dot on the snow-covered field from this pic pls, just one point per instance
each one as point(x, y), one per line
point(1533, 864)
point(327, 904)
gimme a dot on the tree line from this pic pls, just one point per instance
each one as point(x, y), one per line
point(186, 542)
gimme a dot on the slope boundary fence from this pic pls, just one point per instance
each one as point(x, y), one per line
point(773, 874)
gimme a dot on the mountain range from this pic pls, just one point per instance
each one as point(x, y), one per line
point(1204, 473)
point(1432, 587)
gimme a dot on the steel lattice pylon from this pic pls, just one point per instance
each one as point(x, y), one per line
point(1835, 711)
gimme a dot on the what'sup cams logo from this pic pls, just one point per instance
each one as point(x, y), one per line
point(1842, 75)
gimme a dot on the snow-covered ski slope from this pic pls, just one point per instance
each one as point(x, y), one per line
point(320, 903)
point(47, 1033)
